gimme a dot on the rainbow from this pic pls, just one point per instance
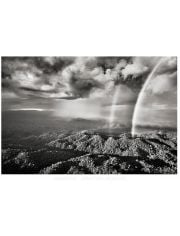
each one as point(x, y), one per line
point(138, 102)
point(113, 107)
point(140, 98)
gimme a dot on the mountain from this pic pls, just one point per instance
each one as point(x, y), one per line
point(93, 152)
point(123, 144)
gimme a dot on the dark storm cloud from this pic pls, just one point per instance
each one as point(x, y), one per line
point(82, 84)
point(111, 62)
point(51, 65)
point(33, 74)
point(37, 65)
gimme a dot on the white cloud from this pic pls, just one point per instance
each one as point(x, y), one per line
point(26, 79)
point(134, 69)
point(162, 83)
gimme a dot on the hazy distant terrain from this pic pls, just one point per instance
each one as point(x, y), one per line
point(46, 145)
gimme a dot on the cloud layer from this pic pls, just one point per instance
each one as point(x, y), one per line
point(84, 86)
point(69, 77)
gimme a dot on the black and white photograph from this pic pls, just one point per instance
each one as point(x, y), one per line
point(89, 115)
point(89, 118)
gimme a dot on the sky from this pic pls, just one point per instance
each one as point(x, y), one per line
point(84, 87)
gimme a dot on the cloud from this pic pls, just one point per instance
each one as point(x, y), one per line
point(143, 65)
point(83, 77)
point(76, 77)
point(165, 78)
point(61, 76)
point(163, 83)
point(36, 73)
point(168, 65)
point(134, 69)
point(87, 77)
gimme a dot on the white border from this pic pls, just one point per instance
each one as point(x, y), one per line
point(89, 205)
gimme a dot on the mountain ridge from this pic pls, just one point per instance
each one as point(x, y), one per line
point(90, 152)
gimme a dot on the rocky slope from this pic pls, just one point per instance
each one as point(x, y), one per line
point(156, 143)
point(151, 153)
point(89, 152)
